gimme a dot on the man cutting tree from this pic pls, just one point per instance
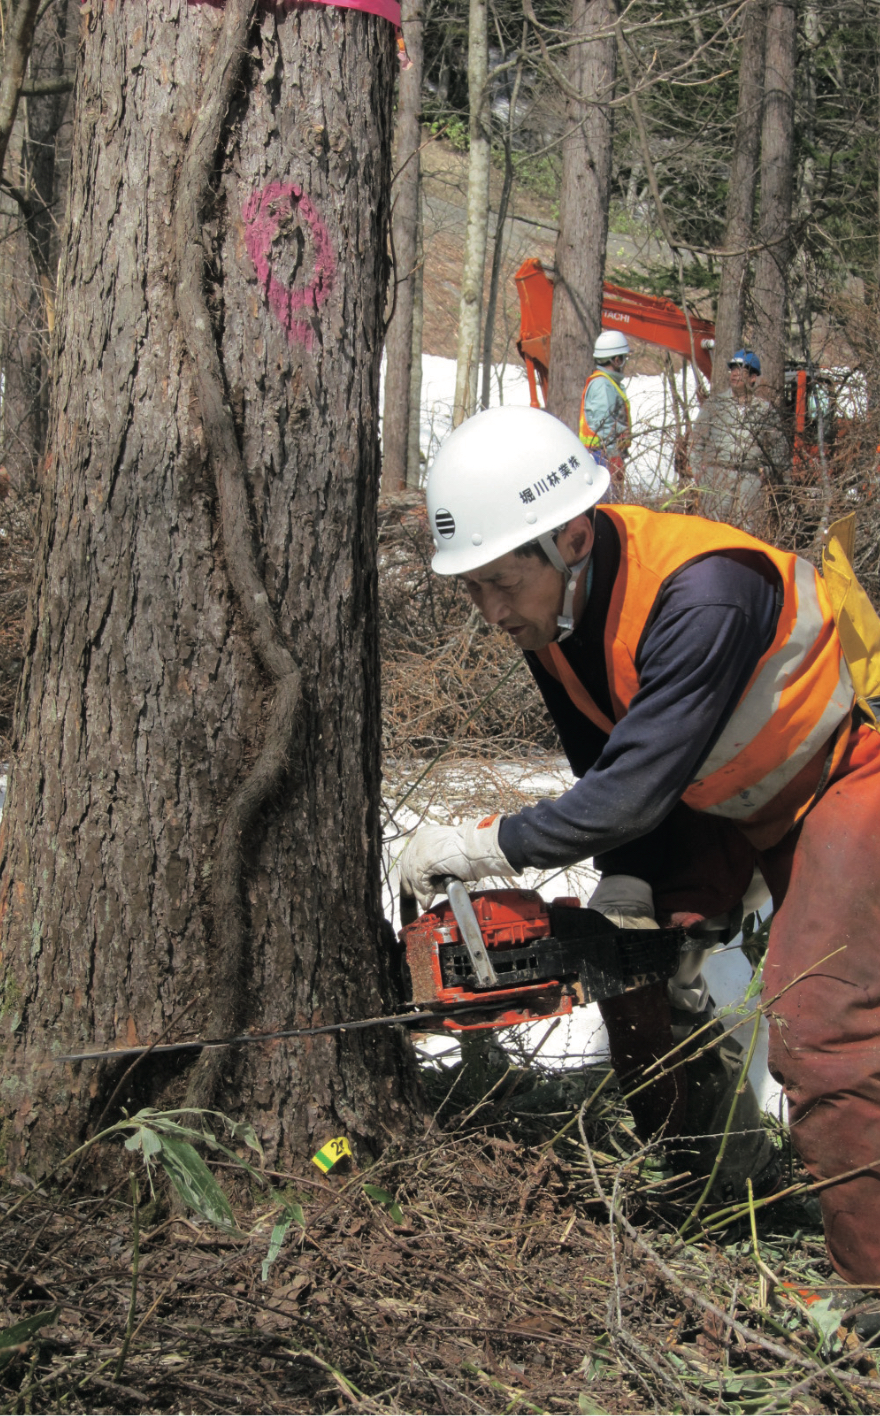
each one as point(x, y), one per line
point(698, 681)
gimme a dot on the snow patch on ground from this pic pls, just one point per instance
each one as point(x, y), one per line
point(652, 401)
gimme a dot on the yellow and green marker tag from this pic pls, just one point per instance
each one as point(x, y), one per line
point(330, 1153)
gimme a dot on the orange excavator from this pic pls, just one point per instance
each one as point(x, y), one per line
point(809, 398)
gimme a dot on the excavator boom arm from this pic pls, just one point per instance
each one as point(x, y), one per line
point(649, 317)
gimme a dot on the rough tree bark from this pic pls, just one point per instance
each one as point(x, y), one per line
point(777, 179)
point(193, 815)
point(470, 312)
point(738, 233)
point(405, 229)
point(583, 203)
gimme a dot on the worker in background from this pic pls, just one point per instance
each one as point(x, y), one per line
point(738, 448)
point(605, 420)
point(697, 680)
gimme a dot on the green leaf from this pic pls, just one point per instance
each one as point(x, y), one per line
point(756, 985)
point(292, 1214)
point(824, 1315)
point(589, 1407)
point(244, 1131)
point(195, 1184)
point(376, 1193)
point(146, 1140)
point(396, 1213)
point(19, 1333)
point(275, 1241)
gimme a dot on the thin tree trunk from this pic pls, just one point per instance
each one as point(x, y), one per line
point(774, 230)
point(476, 231)
point(193, 818)
point(405, 223)
point(414, 439)
point(738, 233)
point(498, 243)
point(583, 204)
point(17, 43)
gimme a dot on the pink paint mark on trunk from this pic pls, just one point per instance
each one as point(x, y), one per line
point(263, 214)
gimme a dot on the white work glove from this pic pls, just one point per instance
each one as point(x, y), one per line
point(627, 901)
point(468, 852)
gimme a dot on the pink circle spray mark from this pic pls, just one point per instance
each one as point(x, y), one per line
point(263, 212)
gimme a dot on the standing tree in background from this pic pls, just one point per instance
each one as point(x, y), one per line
point(31, 210)
point(470, 312)
point(191, 838)
point(777, 173)
point(583, 203)
point(399, 367)
point(738, 234)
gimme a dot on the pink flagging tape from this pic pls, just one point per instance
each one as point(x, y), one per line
point(386, 9)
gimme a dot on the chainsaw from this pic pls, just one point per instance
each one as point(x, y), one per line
point(501, 957)
point(493, 959)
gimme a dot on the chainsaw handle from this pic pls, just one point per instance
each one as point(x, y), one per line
point(469, 929)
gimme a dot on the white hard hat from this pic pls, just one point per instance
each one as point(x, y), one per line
point(505, 478)
point(609, 344)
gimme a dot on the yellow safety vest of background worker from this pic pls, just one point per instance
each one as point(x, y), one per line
point(605, 417)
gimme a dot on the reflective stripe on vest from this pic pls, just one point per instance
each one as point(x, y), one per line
point(588, 437)
point(797, 697)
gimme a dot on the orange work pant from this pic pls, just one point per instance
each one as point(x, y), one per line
point(822, 978)
point(823, 962)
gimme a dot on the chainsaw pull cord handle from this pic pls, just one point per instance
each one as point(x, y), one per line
point(469, 928)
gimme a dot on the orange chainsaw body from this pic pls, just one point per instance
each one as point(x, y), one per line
point(508, 920)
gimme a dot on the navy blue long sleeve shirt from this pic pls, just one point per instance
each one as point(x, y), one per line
point(709, 627)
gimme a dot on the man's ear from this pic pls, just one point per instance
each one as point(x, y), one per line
point(576, 539)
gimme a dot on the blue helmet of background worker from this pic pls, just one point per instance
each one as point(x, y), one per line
point(745, 359)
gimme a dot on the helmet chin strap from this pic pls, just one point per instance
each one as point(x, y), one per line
point(548, 545)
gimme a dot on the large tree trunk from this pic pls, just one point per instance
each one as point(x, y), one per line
point(193, 817)
point(583, 204)
point(741, 191)
point(774, 230)
point(405, 228)
point(470, 312)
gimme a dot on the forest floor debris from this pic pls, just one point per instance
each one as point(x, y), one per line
point(530, 1271)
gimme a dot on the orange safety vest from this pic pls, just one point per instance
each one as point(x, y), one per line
point(773, 754)
point(587, 435)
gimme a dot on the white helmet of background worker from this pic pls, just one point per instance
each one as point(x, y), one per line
point(507, 478)
point(610, 345)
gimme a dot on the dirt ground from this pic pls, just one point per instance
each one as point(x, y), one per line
point(517, 1273)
